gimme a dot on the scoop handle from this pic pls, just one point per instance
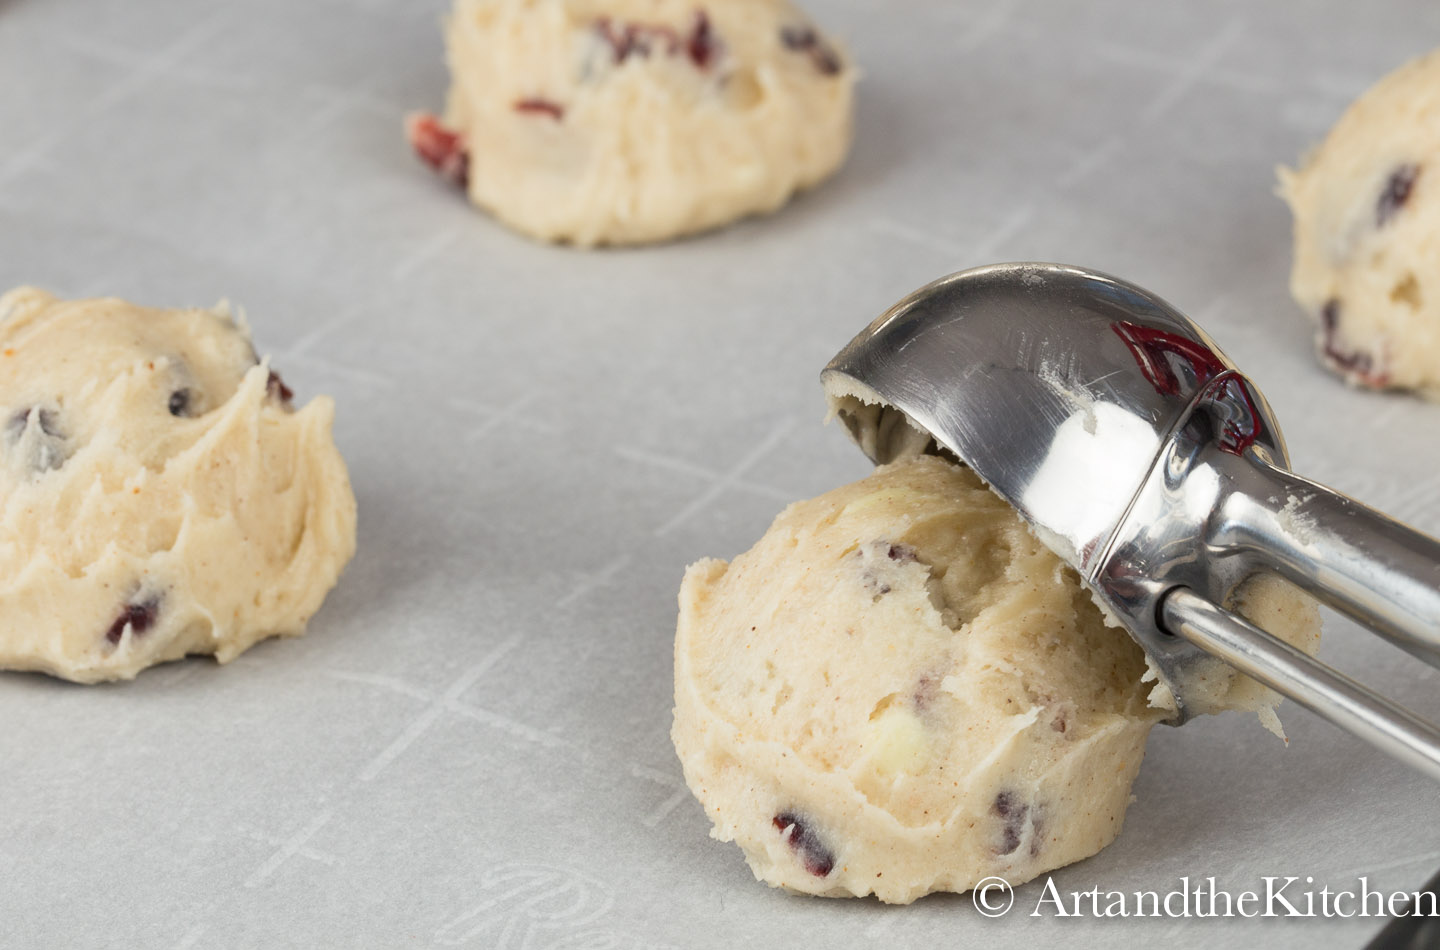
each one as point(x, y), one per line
point(1290, 672)
point(1359, 561)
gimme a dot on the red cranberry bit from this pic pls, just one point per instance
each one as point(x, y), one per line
point(870, 573)
point(1014, 812)
point(874, 584)
point(1006, 805)
point(903, 553)
point(1355, 363)
point(538, 106)
point(798, 39)
point(1330, 315)
point(1037, 832)
point(701, 45)
point(275, 388)
point(805, 39)
point(804, 842)
point(439, 147)
point(1396, 193)
point(925, 690)
point(635, 39)
point(139, 617)
point(179, 404)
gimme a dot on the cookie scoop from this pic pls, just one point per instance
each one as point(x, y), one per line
point(899, 689)
point(1138, 453)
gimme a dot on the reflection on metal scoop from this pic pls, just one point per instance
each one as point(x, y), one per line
point(1138, 452)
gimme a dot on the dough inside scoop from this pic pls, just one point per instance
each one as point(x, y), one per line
point(887, 434)
point(900, 690)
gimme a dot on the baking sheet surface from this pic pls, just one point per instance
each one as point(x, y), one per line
point(471, 747)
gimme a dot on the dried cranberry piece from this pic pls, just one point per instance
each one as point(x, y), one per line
point(798, 38)
point(925, 690)
point(538, 106)
point(275, 388)
point(701, 45)
point(179, 404)
point(1006, 805)
point(635, 39)
point(1357, 363)
point(1330, 315)
point(806, 39)
point(1396, 193)
point(700, 42)
point(903, 553)
point(873, 572)
point(803, 840)
point(138, 616)
point(1009, 807)
point(442, 148)
point(870, 576)
point(622, 40)
point(869, 571)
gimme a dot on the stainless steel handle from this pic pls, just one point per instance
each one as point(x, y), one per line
point(1357, 560)
point(1319, 688)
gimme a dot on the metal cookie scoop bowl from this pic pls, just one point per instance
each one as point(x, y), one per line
point(1138, 452)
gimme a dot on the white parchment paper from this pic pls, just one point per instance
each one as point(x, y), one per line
point(471, 745)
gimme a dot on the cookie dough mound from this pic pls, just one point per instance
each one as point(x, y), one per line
point(1367, 234)
point(159, 496)
point(900, 690)
point(630, 121)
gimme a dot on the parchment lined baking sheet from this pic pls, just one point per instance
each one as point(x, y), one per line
point(471, 745)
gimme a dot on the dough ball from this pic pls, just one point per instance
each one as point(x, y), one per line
point(631, 121)
point(900, 690)
point(1367, 234)
point(159, 496)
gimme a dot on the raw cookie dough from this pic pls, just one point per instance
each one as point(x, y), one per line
point(900, 690)
point(630, 121)
point(1367, 234)
point(159, 496)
